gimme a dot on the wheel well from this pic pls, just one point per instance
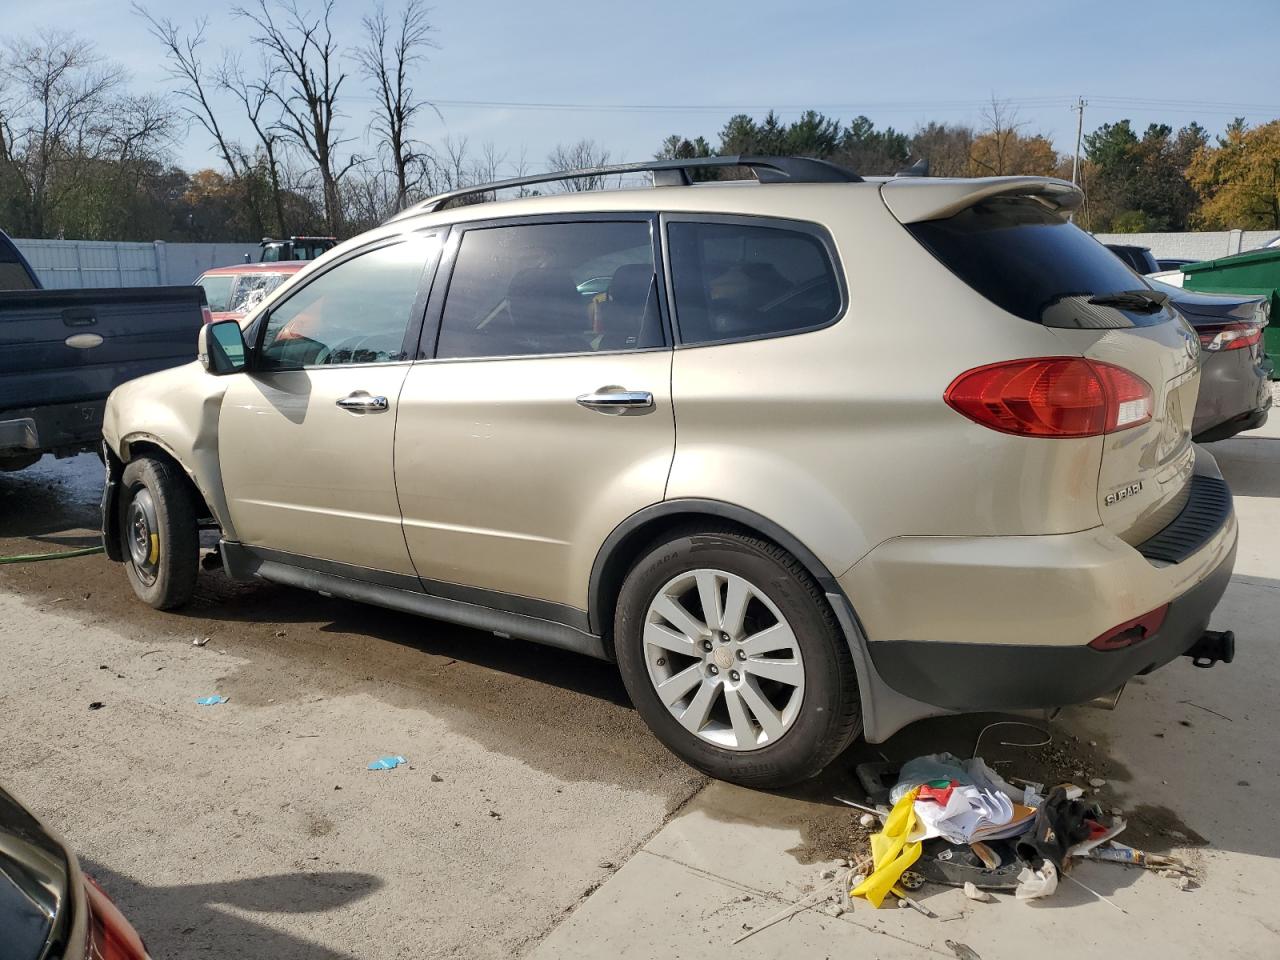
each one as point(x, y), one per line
point(636, 535)
point(146, 448)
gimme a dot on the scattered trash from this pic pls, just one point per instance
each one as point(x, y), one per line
point(211, 701)
point(827, 875)
point(833, 910)
point(495, 814)
point(867, 820)
point(804, 903)
point(962, 950)
point(891, 851)
point(1037, 884)
point(387, 763)
point(197, 642)
point(1082, 886)
point(973, 893)
point(1097, 782)
point(1119, 853)
point(436, 778)
point(97, 705)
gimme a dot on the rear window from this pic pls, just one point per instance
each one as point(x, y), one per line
point(735, 281)
point(1024, 258)
point(13, 275)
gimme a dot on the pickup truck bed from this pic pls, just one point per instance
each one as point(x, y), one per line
point(63, 351)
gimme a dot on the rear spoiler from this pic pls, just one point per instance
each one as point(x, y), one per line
point(914, 199)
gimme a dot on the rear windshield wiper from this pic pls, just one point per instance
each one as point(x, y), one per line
point(1140, 301)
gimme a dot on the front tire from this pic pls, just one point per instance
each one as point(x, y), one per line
point(734, 659)
point(159, 536)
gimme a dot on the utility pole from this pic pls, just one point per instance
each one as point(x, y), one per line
point(1075, 163)
point(1080, 104)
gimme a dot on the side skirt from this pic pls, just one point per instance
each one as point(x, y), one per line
point(400, 592)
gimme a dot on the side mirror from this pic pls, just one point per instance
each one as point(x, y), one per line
point(221, 347)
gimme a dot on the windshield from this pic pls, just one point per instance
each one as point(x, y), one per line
point(217, 291)
point(1024, 258)
point(251, 289)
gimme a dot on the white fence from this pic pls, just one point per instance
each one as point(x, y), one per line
point(95, 263)
point(1200, 245)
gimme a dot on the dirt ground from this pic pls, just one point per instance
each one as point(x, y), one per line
point(253, 829)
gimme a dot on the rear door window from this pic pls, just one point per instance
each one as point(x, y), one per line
point(552, 288)
point(737, 281)
point(1026, 259)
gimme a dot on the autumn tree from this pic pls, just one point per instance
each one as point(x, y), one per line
point(1238, 181)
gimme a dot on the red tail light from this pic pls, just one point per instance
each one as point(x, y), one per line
point(1229, 336)
point(1052, 397)
point(206, 315)
point(1131, 631)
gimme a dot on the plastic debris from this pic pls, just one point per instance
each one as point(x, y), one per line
point(973, 893)
point(197, 642)
point(211, 701)
point(386, 763)
point(962, 950)
point(1037, 884)
point(892, 851)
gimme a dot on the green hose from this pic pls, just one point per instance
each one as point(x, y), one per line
point(36, 557)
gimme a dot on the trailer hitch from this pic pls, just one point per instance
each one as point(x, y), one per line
point(1214, 646)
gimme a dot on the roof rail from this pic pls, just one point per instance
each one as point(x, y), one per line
point(666, 173)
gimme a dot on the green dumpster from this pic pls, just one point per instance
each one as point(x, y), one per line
point(1255, 272)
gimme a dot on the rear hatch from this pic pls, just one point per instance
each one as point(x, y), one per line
point(1009, 239)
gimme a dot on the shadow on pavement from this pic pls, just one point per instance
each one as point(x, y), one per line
point(183, 920)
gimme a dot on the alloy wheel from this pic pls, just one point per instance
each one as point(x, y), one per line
point(723, 659)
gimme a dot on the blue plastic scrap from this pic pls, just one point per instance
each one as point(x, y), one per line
point(212, 701)
point(386, 763)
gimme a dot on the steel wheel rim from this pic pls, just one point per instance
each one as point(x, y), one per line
point(142, 536)
point(723, 659)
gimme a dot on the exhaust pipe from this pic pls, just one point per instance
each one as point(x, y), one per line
point(1214, 646)
point(1107, 701)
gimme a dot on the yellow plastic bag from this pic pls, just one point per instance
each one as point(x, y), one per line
point(891, 851)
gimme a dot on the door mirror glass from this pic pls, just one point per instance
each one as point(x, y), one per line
point(222, 348)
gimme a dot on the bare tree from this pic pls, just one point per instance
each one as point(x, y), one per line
point(1000, 138)
point(579, 156)
point(386, 57)
point(60, 89)
point(182, 52)
point(306, 52)
point(254, 96)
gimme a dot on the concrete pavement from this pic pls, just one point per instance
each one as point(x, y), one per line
point(1189, 754)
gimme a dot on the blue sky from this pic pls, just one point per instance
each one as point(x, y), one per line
point(900, 64)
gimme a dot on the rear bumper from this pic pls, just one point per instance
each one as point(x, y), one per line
point(970, 677)
point(62, 429)
point(959, 624)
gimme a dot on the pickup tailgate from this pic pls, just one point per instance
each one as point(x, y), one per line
point(68, 346)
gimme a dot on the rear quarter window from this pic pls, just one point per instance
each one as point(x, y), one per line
point(741, 281)
point(1024, 258)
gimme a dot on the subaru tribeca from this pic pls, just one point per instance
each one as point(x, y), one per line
point(808, 456)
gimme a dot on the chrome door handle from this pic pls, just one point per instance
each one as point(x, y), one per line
point(363, 403)
point(616, 400)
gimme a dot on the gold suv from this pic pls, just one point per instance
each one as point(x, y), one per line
point(808, 456)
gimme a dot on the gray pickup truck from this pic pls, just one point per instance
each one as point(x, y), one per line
point(63, 351)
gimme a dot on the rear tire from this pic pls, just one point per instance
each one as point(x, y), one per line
point(158, 533)
point(764, 696)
